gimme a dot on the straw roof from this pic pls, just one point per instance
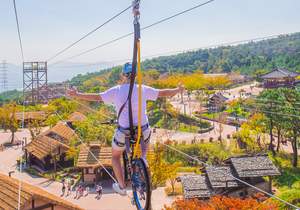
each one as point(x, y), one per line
point(86, 159)
point(43, 146)
point(38, 115)
point(77, 117)
point(9, 188)
point(61, 132)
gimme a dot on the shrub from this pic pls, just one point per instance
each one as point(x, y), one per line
point(177, 190)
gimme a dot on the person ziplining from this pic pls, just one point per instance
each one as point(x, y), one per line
point(129, 100)
point(117, 96)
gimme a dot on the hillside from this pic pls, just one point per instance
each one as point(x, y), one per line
point(283, 51)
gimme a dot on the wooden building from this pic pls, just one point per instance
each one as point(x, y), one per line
point(279, 78)
point(48, 150)
point(92, 170)
point(29, 117)
point(218, 180)
point(47, 153)
point(32, 197)
point(217, 102)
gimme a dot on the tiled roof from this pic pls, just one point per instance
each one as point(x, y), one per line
point(43, 146)
point(9, 189)
point(195, 186)
point(86, 159)
point(38, 115)
point(221, 176)
point(254, 166)
point(77, 117)
point(279, 73)
point(218, 96)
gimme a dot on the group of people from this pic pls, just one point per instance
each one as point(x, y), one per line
point(66, 184)
point(80, 190)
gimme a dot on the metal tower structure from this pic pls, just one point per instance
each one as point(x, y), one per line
point(35, 82)
point(3, 76)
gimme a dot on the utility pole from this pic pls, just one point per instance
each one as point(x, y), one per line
point(3, 76)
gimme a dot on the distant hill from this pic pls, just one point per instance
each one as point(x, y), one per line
point(283, 51)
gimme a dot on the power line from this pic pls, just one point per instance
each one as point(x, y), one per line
point(89, 33)
point(236, 178)
point(18, 27)
point(129, 34)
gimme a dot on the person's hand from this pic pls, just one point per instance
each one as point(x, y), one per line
point(72, 92)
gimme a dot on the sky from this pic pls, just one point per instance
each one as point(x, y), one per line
point(48, 26)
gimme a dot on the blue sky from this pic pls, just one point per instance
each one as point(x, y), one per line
point(49, 25)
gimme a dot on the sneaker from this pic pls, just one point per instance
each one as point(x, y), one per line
point(118, 189)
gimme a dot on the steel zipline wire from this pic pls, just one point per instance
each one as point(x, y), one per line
point(23, 112)
point(89, 33)
point(175, 51)
point(236, 178)
point(131, 33)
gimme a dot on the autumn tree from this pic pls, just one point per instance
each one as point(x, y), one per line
point(223, 203)
point(9, 120)
point(161, 170)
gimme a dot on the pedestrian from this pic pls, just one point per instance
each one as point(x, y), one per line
point(98, 191)
point(87, 191)
point(63, 189)
point(69, 185)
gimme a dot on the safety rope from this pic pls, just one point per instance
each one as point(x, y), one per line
point(139, 76)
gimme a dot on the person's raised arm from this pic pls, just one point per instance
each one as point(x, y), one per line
point(73, 93)
point(170, 92)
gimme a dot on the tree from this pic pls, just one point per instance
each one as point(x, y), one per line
point(9, 120)
point(160, 169)
point(224, 203)
point(270, 104)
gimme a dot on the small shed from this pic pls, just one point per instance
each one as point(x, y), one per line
point(32, 197)
point(279, 77)
point(90, 161)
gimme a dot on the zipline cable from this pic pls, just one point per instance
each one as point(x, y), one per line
point(178, 51)
point(89, 151)
point(236, 178)
point(23, 112)
point(89, 33)
point(246, 183)
point(129, 34)
point(18, 28)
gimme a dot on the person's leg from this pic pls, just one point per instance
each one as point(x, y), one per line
point(117, 167)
